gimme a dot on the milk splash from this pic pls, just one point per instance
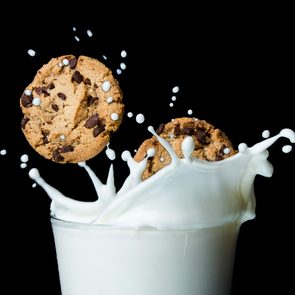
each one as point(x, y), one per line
point(187, 193)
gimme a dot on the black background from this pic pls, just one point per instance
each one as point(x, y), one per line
point(234, 70)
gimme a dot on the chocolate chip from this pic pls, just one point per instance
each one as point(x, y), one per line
point(188, 130)
point(92, 121)
point(177, 130)
point(55, 107)
point(160, 128)
point(73, 63)
point(57, 157)
point(45, 140)
point(221, 151)
point(91, 100)
point(38, 90)
point(201, 135)
point(26, 100)
point(95, 86)
point(66, 149)
point(51, 86)
point(42, 90)
point(87, 81)
point(61, 96)
point(218, 158)
point(24, 121)
point(97, 130)
point(77, 77)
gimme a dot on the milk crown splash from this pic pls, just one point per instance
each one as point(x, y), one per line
point(187, 193)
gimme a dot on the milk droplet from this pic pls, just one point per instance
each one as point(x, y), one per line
point(23, 165)
point(139, 118)
point(110, 154)
point(104, 57)
point(62, 138)
point(28, 92)
point(175, 89)
point(173, 98)
point(129, 115)
point(119, 71)
point(24, 158)
point(287, 148)
point(82, 164)
point(65, 62)
point(34, 185)
point(114, 116)
point(242, 147)
point(162, 159)
point(125, 155)
point(31, 52)
point(226, 151)
point(171, 104)
point(265, 134)
point(3, 152)
point(106, 86)
point(123, 53)
point(135, 150)
point(74, 29)
point(89, 33)
point(151, 152)
point(190, 112)
point(77, 38)
point(110, 99)
point(34, 173)
point(123, 66)
point(36, 101)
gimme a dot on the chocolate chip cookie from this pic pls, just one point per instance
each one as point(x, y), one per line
point(71, 108)
point(211, 144)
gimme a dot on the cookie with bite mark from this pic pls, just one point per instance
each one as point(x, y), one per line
point(71, 109)
point(211, 144)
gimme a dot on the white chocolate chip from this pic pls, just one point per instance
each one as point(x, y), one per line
point(106, 86)
point(65, 62)
point(226, 151)
point(114, 116)
point(109, 99)
point(36, 101)
point(28, 92)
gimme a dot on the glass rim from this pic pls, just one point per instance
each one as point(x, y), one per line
point(192, 227)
